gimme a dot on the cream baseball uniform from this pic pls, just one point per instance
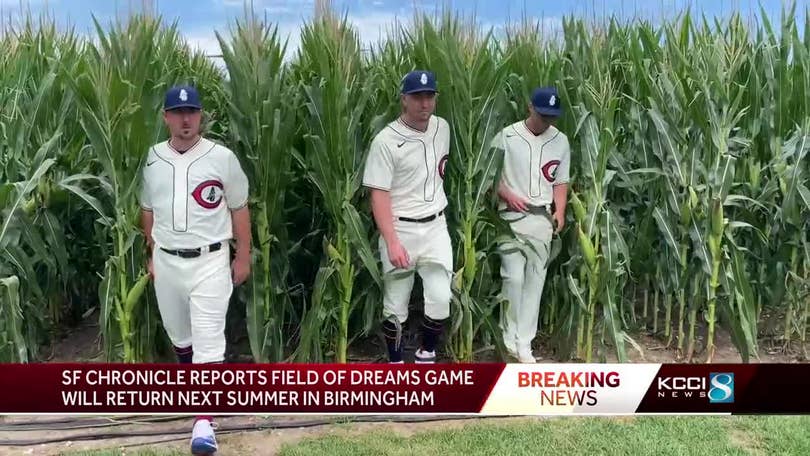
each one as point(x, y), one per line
point(533, 165)
point(191, 195)
point(410, 165)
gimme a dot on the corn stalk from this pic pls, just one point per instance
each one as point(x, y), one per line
point(598, 229)
point(335, 100)
point(262, 127)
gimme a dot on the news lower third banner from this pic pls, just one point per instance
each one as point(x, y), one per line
point(485, 389)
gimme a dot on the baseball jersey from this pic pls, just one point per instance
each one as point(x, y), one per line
point(191, 194)
point(533, 165)
point(410, 164)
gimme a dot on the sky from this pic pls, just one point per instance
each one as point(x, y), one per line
point(198, 19)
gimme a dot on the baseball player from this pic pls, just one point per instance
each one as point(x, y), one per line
point(534, 180)
point(405, 174)
point(194, 200)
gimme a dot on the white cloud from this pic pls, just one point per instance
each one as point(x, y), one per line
point(373, 27)
point(207, 43)
point(280, 9)
point(258, 5)
point(5, 3)
point(10, 5)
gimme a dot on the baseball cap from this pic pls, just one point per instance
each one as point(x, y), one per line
point(419, 81)
point(182, 97)
point(546, 101)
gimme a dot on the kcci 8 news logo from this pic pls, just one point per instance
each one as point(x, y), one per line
point(718, 387)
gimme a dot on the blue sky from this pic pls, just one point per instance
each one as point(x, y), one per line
point(199, 18)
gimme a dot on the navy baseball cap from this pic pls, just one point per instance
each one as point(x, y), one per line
point(182, 97)
point(419, 81)
point(546, 101)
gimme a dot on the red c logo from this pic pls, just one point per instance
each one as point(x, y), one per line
point(550, 170)
point(208, 194)
point(443, 165)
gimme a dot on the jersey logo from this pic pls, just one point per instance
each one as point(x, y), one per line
point(208, 194)
point(550, 170)
point(443, 165)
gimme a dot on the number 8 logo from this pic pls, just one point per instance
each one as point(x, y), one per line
point(721, 390)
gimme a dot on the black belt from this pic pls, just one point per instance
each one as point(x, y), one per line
point(535, 210)
point(538, 210)
point(429, 218)
point(193, 253)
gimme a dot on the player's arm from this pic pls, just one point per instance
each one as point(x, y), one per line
point(514, 201)
point(384, 218)
point(560, 195)
point(237, 192)
point(378, 176)
point(147, 222)
point(240, 219)
point(560, 192)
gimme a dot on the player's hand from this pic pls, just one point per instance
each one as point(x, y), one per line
point(559, 221)
point(240, 269)
point(150, 267)
point(515, 202)
point(398, 255)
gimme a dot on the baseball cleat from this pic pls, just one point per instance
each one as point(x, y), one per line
point(203, 441)
point(525, 356)
point(424, 357)
point(511, 349)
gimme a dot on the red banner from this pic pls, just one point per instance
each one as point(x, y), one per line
point(348, 389)
point(245, 388)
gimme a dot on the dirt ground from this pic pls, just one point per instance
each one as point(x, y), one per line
point(259, 435)
point(262, 439)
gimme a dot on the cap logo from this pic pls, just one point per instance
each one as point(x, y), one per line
point(424, 79)
point(183, 95)
point(552, 100)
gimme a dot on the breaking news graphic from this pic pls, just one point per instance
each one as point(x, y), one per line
point(472, 389)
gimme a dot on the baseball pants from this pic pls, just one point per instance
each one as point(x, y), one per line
point(193, 296)
point(524, 263)
point(431, 253)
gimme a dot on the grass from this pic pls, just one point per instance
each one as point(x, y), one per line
point(737, 435)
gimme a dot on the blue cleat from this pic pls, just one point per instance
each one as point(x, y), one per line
point(203, 441)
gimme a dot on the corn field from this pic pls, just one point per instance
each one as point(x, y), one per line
point(689, 205)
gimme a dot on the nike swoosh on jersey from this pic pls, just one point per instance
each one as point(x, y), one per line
point(401, 144)
point(151, 163)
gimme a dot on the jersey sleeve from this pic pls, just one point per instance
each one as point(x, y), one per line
point(145, 199)
point(379, 170)
point(563, 169)
point(236, 187)
point(497, 141)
